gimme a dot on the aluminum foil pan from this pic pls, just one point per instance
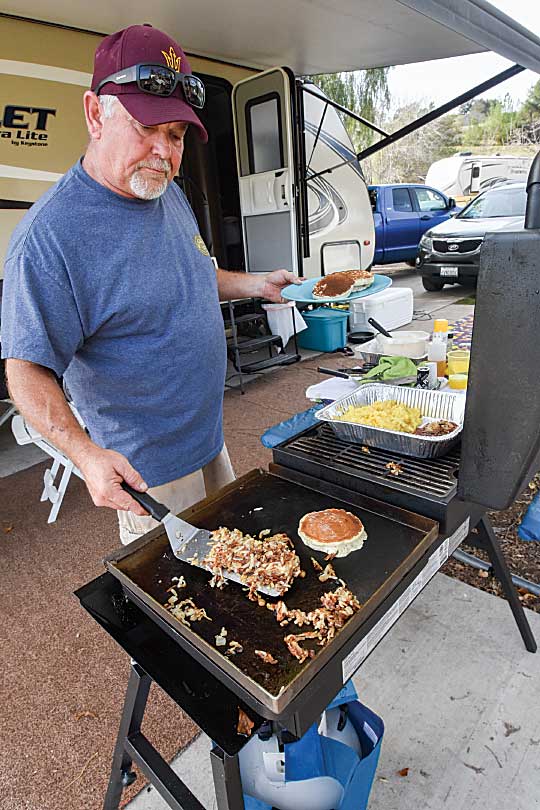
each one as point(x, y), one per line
point(371, 353)
point(433, 404)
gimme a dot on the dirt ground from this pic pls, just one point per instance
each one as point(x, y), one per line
point(522, 556)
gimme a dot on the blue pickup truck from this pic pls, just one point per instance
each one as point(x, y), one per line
point(402, 212)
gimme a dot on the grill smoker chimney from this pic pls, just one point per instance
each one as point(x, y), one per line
point(501, 435)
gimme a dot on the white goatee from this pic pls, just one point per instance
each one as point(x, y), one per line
point(147, 188)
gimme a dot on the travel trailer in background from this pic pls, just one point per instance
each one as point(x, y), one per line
point(249, 187)
point(464, 175)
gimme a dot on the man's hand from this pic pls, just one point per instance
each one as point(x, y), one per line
point(274, 282)
point(104, 471)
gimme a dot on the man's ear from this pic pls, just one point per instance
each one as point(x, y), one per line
point(93, 114)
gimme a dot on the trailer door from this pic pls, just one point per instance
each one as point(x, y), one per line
point(263, 110)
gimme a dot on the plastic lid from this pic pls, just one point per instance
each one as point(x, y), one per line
point(440, 325)
point(325, 313)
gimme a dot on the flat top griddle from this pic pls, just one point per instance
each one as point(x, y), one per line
point(396, 540)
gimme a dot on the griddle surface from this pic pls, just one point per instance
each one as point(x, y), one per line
point(265, 501)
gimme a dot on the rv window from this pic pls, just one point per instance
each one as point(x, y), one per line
point(429, 200)
point(401, 199)
point(265, 145)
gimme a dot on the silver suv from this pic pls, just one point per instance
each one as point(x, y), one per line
point(449, 253)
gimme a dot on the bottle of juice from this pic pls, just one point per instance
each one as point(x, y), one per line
point(438, 345)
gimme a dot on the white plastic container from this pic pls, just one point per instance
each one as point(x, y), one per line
point(392, 308)
point(404, 344)
point(370, 352)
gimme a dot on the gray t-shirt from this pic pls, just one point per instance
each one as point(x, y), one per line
point(119, 296)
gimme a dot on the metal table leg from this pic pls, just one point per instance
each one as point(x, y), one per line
point(227, 782)
point(488, 541)
point(132, 746)
point(132, 715)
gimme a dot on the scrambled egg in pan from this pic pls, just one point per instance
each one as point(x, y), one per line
point(387, 414)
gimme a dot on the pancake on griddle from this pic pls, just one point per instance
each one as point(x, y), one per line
point(332, 531)
point(342, 283)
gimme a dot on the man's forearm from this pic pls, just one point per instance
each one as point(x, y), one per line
point(239, 285)
point(41, 401)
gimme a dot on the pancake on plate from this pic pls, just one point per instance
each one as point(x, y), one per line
point(342, 283)
point(332, 531)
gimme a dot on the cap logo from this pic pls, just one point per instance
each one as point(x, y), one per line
point(173, 61)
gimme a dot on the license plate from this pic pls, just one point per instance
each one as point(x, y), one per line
point(450, 271)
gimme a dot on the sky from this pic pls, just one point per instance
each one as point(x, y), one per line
point(442, 79)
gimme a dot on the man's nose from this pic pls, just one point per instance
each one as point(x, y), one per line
point(161, 145)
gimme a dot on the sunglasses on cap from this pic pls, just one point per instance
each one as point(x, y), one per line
point(159, 80)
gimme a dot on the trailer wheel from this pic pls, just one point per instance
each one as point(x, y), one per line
point(431, 284)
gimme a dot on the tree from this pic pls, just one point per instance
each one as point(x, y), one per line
point(530, 112)
point(364, 92)
point(407, 160)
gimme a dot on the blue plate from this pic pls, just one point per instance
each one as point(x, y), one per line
point(303, 292)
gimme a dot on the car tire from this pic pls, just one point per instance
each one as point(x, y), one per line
point(411, 263)
point(432, 284)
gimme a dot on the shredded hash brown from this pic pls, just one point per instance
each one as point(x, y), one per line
point(270, 562)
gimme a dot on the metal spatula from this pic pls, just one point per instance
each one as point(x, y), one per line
point(188, 543)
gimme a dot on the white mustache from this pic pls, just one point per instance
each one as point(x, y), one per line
point(160, 165)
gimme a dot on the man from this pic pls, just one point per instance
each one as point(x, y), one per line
point(109, 284)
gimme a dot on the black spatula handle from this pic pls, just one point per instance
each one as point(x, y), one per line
point(333, 372)
point(153, 507)
point(378, 327)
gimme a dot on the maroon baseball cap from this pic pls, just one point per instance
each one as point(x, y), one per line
point(140, 44)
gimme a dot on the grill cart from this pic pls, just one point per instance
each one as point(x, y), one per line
point(414, 521)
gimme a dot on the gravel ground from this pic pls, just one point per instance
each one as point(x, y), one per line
point(523, 557)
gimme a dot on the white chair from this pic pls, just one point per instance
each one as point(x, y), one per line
point(4, 396)
point(11, 411)
point(26, 434)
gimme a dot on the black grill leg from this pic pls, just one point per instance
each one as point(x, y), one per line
point(227, 781)
point(489, 541)
point(132, 715)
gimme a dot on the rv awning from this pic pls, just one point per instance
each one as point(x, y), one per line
point(310, 36)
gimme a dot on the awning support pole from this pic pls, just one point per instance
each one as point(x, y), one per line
point(432, 115)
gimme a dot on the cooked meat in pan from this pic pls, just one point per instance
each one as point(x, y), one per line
point(266, 657)
point(438, 428)
point(336, 609)
point(270, 562)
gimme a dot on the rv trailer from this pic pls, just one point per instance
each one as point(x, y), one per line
point(248, 187)
point(464, 175)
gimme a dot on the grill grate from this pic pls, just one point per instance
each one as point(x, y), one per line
point(433, 478)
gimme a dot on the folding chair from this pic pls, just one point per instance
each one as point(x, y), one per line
point(26, 434)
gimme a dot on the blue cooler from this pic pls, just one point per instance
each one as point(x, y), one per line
point(326, 332)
